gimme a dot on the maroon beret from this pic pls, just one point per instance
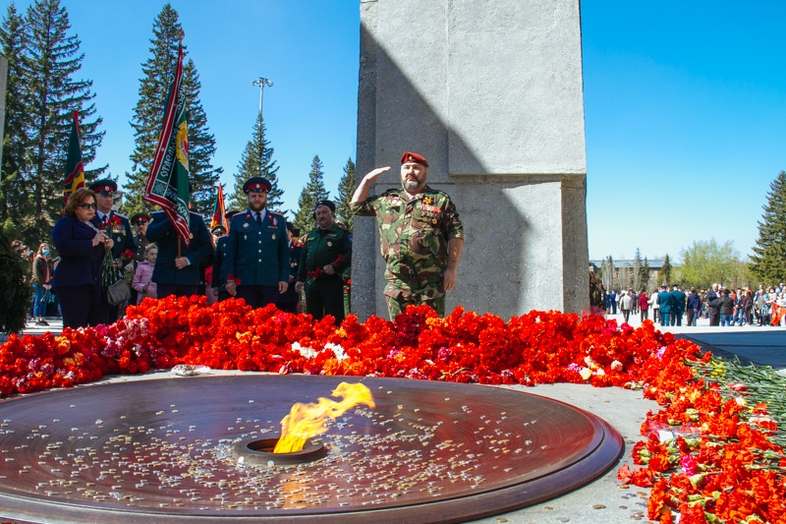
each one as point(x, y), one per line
point(413, 157)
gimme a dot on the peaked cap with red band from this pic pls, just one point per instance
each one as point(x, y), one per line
point(257, 182)
point(140, 217)
point(104, 185)
point(413, 157)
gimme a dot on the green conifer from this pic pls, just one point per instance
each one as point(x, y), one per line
point(768, 263)
point(665, 271)
point(257, 160)
point(346, 188)
point(15, 161)
point(311, 194)
point(15, 293)
point(158, 72)
point(51, 60)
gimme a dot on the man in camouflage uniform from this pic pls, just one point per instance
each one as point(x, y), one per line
point(421, 236)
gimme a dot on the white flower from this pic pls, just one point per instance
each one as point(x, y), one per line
point(307, 352)
point(337, 350)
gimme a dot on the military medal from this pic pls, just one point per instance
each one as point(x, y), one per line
point(434, 220)
point(245, 225)
point(274, 236)
point(330, 244)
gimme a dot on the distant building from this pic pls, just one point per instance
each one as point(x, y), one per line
point(627, 265)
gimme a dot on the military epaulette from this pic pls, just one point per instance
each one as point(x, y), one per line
point(119, 215)
point(279, 213)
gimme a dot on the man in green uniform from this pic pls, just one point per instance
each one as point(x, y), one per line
point(421, 235)
point(327, 252)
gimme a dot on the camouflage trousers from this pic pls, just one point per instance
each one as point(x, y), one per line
point(398, 304)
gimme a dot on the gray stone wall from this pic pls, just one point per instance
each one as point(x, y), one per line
point(491, 93)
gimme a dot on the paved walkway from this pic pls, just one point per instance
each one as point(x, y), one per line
point(763, 345)
point(55, 326)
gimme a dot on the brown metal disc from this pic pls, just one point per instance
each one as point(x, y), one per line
point(162, 451)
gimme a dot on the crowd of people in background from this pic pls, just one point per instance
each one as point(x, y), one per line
point(668, 305)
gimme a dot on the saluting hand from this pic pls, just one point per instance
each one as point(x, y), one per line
point(373, 175)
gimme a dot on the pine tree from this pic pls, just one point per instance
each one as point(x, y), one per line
point(255, 161)
point(346, 188)
point(665, 271)
point(15, 162)
point(311, 194)
point(52, 58)
point(15, 291)
point(768, 264)
point(645, 274)
point(158, 72)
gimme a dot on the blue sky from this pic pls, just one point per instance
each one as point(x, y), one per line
point(685, 102)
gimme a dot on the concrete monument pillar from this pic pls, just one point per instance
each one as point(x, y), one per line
point(491, 93)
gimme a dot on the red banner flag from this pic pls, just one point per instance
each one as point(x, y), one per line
point(219, 211)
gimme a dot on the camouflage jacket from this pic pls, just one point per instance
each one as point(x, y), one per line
point(414, 238)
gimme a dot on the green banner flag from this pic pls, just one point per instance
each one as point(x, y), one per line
point(75, 173)
point(167, 185)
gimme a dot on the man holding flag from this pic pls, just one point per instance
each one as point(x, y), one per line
point(182, 237)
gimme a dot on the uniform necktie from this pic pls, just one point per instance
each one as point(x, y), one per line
point(259, 220)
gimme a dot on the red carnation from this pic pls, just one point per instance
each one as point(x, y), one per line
point(230, 277)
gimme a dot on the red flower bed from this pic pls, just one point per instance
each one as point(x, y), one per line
point(706, 457)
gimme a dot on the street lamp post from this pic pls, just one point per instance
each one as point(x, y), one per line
point(262, 83)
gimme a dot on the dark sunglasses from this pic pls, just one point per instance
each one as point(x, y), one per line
point(87, 206)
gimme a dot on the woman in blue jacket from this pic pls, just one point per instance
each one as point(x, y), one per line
point(77, 280)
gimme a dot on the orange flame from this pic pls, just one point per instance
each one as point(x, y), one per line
point(309, 420)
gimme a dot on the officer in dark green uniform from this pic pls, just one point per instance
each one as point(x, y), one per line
point(327, 252)
point(117, 228)
point(257, 259)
